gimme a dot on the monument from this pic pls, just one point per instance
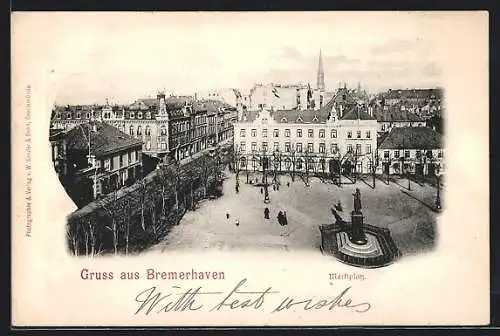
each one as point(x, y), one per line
point(357, 234)
point(357, 243)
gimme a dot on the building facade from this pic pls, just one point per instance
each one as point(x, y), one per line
point(172, 127)
point(411, 150)
point(99, 159)
point(310, 141)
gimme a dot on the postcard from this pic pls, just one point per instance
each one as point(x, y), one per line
point(250, 169)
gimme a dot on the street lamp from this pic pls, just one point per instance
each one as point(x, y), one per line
point(438, 197)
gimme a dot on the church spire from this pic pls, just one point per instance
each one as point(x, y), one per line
point(320, 83)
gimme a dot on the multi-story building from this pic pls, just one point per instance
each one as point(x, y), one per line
point(417, 97)
point(99, 158)
point(175, 126)
point(273, 96)
point(414, 150)
point(320, 140)
point(398, 115)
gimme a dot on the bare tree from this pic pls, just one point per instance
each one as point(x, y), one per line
point(161, 179)
point(73, 238)
point(276, 165)
point(111, 209)
point(90, 236)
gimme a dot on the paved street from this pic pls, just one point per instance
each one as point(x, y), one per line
point(408, 216)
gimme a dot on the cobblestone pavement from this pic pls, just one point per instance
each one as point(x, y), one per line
point(408, 215)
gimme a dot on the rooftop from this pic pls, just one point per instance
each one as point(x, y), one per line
point(412, 138)
point(105, 139)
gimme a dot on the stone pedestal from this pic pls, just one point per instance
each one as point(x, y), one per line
point(357, 234)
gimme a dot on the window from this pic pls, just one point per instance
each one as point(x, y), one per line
point(107, 164)
point(163, 130)
point(298, 147)
point(264, 146)
point(148, 145)
point(132, 115)
point(276, 133)
point(78, 115)
point(121, 161)
point(440, 154)
point(287, 132)
point(358, 134)
point(310, 132)
point(334, 148)
point(148, 115)
point(276, 146)
point(386, 154)
point(264, 120)
point(133, 157)
point(163, 145)
point(407, 153)
point(131, 130)
point(396, 154)
point(129, 157)
point(58, 115)
point(349, 134)
point(254, 132)
point(242, 132)
point(333, 134)
point(139, 115)
point(321, 147)
point(254, 146)
point(299, 164)
point(358, 149)
point(429, 154)
point(299, 132)
point(68, 116)
point(242, 147)
point(87, 116)
point(264, 133)
point(321, 133)
point(148, 130)
point(368, 149)
point(139, 130)
point(418, 154)
point(349, 148)
point(310, 147)
point(287, 147)
point(368, 134)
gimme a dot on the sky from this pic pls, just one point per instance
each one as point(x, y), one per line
point(124, 56)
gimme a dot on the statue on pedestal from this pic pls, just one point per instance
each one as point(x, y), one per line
point(357, 234)
point(357, 201)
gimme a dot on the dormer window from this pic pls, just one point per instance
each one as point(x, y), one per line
point(58, 115)
point(87, 116)
point(148, 115)
point(78, 115)
point(299, 119)
point(68, 115)
point(283, 120)
point(315, 119)
point(139, 115)
point(132, 115)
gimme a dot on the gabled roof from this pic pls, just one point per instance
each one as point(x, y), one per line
point(394, 113)
point(414, 94)
point(105, 140)
point(357, 113)
point(412, 138)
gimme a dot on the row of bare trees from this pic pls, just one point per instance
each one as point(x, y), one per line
point(145, 213)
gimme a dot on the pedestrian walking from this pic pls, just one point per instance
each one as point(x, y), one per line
point(280, 218)
point(277, 187)
point(288, 184)
point(227, 214)
point(266, 213)
point(274, 187)
point(237, 222)
point(261, 190)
